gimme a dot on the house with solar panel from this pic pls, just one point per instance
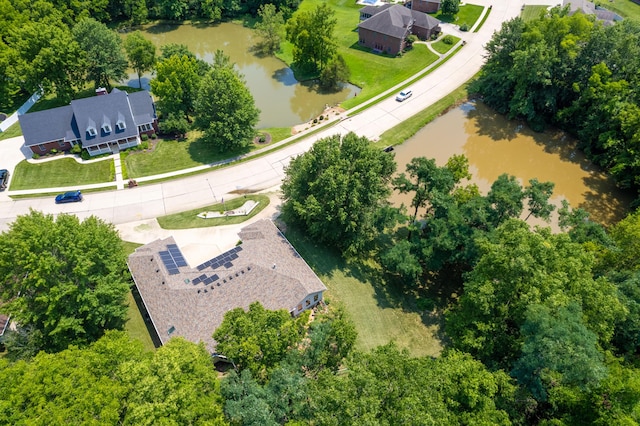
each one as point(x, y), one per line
point(101, 124)
point(191, 301)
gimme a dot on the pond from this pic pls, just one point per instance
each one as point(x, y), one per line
point(495, 145)
point(283, 101)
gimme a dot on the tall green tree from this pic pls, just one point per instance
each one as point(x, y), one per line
point(225, 110)
point(141, 53)
point(334, 74)
point(517, 268)
point(450, 7)
point(103, 52)
point(311, 33)
point(45, 55)
point(64, 278)
point(136, 11)
point(270, 28)
point(258, 338)
point(176, 85)
point(558, 350)
point(337, 189)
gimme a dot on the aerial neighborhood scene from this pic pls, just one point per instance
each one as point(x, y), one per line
point(342, 212)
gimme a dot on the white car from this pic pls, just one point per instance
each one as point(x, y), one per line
point(405, 94)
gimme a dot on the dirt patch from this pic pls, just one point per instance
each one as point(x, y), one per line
point(329, 114)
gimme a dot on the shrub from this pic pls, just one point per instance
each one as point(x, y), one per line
point(54, 151)
point(144, 145)
point(448, 39)
point(35, 156)
point(321, 117)
point(144, 137)
point(464, 27)
point(76, 149)
point(315, 121)
point(85, 155)
point(154, 136)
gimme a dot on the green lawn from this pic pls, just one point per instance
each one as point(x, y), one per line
point(468, 14)
point(189, 219)
point(532, 12)
point(374, 73)
point(441, 47)
point(62, 172)
point(624, 8)
point(380, 313)
point(11, 132)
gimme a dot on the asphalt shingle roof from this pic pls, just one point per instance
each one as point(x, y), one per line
point(47, 126)
point(392, 20)
point(192, 301)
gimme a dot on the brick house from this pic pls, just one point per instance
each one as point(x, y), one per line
point(191, 301)
point(100, 124)
point(386, 28)
point(426, 6)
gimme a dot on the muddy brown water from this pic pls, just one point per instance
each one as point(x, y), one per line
point(283, 101)
point(495, 145)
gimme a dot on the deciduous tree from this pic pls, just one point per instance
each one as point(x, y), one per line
point(225, 109)
point(270, 28)
point(336, 190)
point(65, 278)
point(141, 53)
point(311, 33)
point(176, 85)
point(103, 52)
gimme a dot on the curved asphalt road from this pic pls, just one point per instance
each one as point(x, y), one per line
point(150, 201)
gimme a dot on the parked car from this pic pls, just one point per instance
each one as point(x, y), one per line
point(4, 178)
point(405, 94)
point(69, 197)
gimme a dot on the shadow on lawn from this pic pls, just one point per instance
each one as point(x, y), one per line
point(205, 152)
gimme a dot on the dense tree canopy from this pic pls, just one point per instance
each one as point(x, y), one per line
point(311, 33)
point(141, 53)
point(336, 190)
point(62, 278)
point(573, 72)
point(225, 109)
point(270, 28)
point(102, 52)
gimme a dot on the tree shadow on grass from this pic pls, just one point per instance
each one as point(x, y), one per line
point(202, 151)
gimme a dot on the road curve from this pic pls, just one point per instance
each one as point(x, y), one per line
point(150, 201)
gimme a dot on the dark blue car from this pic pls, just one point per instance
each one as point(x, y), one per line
point(69, 197)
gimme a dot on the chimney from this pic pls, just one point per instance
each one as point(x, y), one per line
point(101, 91)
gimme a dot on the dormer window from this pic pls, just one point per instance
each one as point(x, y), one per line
point(120, 125)
point(106, 128)
point(92, 131)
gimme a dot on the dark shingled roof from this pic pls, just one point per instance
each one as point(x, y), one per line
point(192, 303)
point(99, 110)
point(50, 125)
point(70, 122)
point(392, 20)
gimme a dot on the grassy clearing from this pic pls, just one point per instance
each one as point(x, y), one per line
point(189, 219)
point(484, 19)
point(374, 73)
point(441, 47)
point(63, 172)
point(410, 127)
point(468, 14)
point(379, 312)
point(529, 13)
point(624, 8)
point(11, 132)
point(277, 133)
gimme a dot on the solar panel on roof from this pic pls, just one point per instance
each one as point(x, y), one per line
point(239, 248)
point(173, 271)
point(181, 262)
point(195, 281)
point(228, 265)
point(172, 246)
point(215, 265)
point(233, 256)
point(207, 281)
point(215, 277)
point(200, 267)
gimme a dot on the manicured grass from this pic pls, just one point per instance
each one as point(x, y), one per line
point(441, 47)
point(531, 12)
point(484, 19)
point(374, 73)
point(277, 133)
point(63, 172)
point(190, 219)
point(11, 132)
point(624, 8)
point(170, 155)
point(468, 14)
point(380, 312)
point(410, 127)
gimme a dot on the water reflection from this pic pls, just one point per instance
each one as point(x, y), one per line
point(283, 101)
point(495, 145)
